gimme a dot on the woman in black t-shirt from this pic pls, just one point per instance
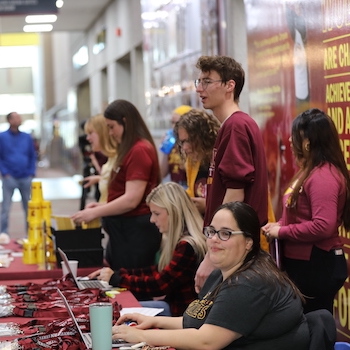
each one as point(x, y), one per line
point(247, 303)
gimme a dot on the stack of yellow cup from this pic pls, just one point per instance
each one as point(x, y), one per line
point(50, 245)
point(34, 242)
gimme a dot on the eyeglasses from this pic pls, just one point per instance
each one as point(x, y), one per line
point(181, 142)
point(204, 82)
point(223, 234)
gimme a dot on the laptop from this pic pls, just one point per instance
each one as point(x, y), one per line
point(83, 284)
point(86, 337)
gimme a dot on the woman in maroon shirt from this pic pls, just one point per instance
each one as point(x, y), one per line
point(133, 240)
point(316, 205)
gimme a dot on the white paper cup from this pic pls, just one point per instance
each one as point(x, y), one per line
point(101, 325)
point(73, 266)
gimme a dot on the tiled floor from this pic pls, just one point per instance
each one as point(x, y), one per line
point(62, 190)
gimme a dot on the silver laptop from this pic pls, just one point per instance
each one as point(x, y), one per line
point(86, 337)
point(83, 284)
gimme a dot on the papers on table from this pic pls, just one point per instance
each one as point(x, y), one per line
point(147, 311)
point(5, 259)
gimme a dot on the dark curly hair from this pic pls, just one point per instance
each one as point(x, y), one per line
point(202, 129)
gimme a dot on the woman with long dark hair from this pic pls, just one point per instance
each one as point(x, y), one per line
point(133, 240)
point(315, 206)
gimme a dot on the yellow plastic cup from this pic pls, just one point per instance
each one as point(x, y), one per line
point(34, 211)
point(37, 191)
point(50, 251)
point(29, 252)
point(46, 212)
point(35, 231)
point(40, 252)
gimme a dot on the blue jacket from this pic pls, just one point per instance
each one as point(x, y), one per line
point(17, 154)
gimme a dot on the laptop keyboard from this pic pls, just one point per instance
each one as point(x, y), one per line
point(92, 284)
point(87, 340)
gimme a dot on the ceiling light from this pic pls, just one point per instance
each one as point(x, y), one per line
point(59, 3)
point(41, 19)
point(38, 28)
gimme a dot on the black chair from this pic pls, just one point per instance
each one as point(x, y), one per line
point(322, 329)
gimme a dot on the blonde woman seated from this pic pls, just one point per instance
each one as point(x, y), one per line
point(196, 132)
point(98, 136)
point(247, 303)
point(183, 248)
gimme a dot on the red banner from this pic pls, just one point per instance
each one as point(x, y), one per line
point(299, 57)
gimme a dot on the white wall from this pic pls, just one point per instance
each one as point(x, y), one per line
point(237, 45)
point(62, 67)
point(120, 14)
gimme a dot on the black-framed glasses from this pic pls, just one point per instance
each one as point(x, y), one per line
point(223, 234)
point(205, 82)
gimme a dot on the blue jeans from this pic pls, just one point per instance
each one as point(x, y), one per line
point(9, 184)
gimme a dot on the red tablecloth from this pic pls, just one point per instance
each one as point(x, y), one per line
point(17, 270)
point(124, 299)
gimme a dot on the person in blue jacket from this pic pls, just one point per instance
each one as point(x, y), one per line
point(17, 168)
